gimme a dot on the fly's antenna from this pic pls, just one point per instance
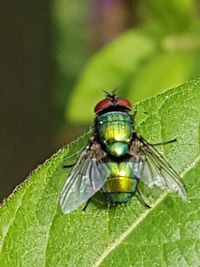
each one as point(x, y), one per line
point(111, 95)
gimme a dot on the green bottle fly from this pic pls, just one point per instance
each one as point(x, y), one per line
point(115, 160)
point(115, 131)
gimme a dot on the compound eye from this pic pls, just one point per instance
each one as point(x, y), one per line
point(103, 104)
point(123, 102)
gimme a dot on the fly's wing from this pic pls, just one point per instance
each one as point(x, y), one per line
point(151, 168)
point(86, 178)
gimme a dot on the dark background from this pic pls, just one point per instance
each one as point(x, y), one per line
point(27, 114)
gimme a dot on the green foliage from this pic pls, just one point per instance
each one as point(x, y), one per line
point(175, 68)
point(172, 16)
point(34, 232)
point(161, 53)
point(69, 20)
point(107, 70)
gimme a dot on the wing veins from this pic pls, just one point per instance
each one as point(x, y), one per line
point(86, 178)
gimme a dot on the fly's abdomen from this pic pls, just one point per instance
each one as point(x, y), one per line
point(115, 131)
point(121, 183)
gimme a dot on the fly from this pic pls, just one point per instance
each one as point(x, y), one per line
point(116, 160)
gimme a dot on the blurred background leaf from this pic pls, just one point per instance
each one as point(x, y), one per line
point(71, 41)
point(160, 52)
point(108, 70)
point(172, 16)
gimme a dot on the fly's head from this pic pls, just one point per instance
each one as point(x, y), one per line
point(112, 103)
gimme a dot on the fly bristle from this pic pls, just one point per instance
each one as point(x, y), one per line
point(111, 95)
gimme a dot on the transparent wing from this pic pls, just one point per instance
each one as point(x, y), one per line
point(86, 178)
point(151, 168)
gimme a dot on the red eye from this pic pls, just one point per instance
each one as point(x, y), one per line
point(103, 104)
point(109, 102)
point(123, 103)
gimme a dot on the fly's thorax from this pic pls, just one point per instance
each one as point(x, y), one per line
point(115, 130)
point(121, 183)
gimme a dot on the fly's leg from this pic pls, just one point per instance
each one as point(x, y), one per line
point(72, 164)
point(69, 166)
point(140, 198)
point(133, 115)
point(86, 204)
point(105, 196)
point(88, 201)
point(165, 143)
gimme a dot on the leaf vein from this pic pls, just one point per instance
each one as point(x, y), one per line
point(136, 223)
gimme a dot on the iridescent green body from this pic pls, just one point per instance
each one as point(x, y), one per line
point(115, 131)
point(121, 183)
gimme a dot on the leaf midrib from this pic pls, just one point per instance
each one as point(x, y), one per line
point(140, 219)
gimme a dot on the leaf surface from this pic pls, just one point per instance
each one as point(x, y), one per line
point(34, 232)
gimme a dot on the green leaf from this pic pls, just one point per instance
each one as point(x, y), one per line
point(69, 23)
point(107, 71)
point(34, 232)
point(165, 70)
point(67, 16)
point(173, 16)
